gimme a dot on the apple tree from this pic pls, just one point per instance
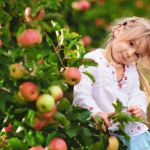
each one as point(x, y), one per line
point(39, 63)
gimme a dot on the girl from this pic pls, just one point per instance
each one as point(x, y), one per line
point(117, 77)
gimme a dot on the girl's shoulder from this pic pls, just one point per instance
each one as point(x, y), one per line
point(95, 55)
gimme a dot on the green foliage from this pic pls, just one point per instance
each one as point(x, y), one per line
point(62, 28)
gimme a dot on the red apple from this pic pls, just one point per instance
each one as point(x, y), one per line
point(47, 115)
point(38, 123)
point(113, 143)
point(57, 144)
point(1, 43)
point(72, 75)
point(39, 17)
point(45, 103)
point(80, 5)
point(17, 71)
point(139, 3)
point(0, 28)
point(29, 37)
point(7, 129)
point(101, 2)
point(86, 41)
point(56, 92)
point(37, 148)
point(40, 61)
point(99, 22)
point(28, 91)
point(28, 15)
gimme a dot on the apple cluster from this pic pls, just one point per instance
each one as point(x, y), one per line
point(30, 37)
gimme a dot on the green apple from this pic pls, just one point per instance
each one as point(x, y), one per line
point(29, 37)
point(17, 71)
point(45, 103)
point(56, 92)
point(72, 75)
point(28, 91)
point(57, 144)
point(47, 115)
point(19, 99)
point(113, 143)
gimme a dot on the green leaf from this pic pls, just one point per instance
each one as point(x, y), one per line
point(49, 41)
point(71, 36)
point(20, 110)
point(118, 106)
point(72, 43)
point(89, 75)
point(39, 137)
point(63, 104)
point(92, 63)
point(62, 119)
point(30, 139)
point(86, 135)
point(17, 144)
point(97, 146)
point(5, 31)
point(51, 136)
point(52, 58)
point(73, 130)
point(78, 113)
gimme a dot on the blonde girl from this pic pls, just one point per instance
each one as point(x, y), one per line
point(116, 77)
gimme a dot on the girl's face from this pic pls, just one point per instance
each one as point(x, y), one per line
point(130, 51)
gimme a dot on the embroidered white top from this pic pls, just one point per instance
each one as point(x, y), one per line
point(100, 95)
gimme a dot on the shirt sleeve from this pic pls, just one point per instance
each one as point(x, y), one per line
point(136, 96)
point(83, 91)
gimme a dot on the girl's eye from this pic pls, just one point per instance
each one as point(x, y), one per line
point(137, 55)
point(131, 44)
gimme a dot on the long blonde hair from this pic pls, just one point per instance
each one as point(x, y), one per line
point(133, 29)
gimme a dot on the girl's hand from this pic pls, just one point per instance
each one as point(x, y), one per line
point(135, 110)
point(104, 116)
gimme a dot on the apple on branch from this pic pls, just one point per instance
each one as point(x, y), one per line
point(57, 144)
point(86, 41)
point(37, 123)
point(47, 115)
point(17, 71)
point(80, 5)
point(19, 99)
point(113, 143)
point(28, 15)
point(72, 75)
point(28, 91)
point(56, 92)
point(30, 37)
point(45, 103)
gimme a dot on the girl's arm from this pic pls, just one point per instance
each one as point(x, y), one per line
point(137, 98)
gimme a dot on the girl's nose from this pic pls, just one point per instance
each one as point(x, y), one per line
point(130, 52)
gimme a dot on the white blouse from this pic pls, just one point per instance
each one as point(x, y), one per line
point(100, 95)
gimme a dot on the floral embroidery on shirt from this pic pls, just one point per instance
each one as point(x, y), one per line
point(138, 127)
point(91, 108)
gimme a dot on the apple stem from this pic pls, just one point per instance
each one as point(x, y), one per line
point(25, 59)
